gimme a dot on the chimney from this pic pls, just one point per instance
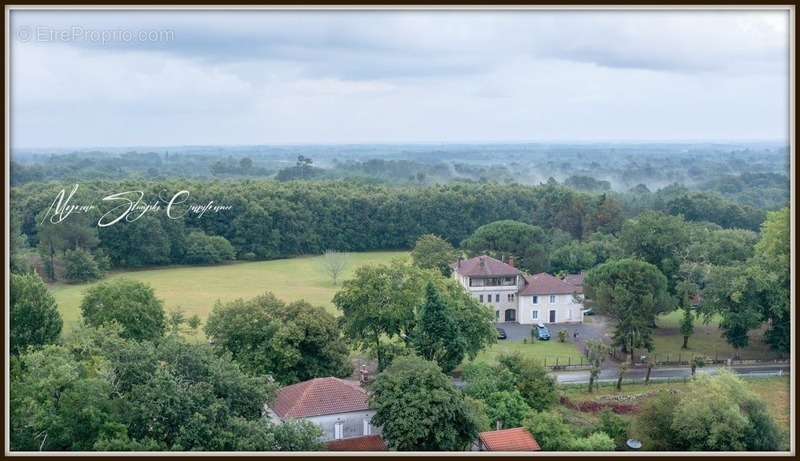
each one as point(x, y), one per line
point(364, 375)
point(511, 261)
point(483, 263)
point(499, 424)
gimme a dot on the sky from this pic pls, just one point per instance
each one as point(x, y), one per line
point(165, 78)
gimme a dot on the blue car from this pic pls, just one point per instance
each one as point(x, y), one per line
point(542, 332)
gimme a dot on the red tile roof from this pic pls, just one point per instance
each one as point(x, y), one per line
point(546, 284)
point(365, 443)
point(576, 280)
point(485, 266)
point(517, 439)
point(320, 396)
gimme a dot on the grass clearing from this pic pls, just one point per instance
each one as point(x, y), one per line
point(706, 340)
point(195, 289)
point(542, 351)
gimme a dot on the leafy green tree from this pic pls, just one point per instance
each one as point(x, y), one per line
point(504, 239)
point(658, 239)
point(736, 295)
point(130, 303)
point(18, 243)
point(380, 303)
point(436, 336)
point(506, 409)
point(419, 408)
point(597, 441)
point(146, 241)
point(773, 259)
point(714, 413)
point(207, 249)
point(293, 342)
point(80, 266)
point(686, 291)
point(531, 379)
point(433, 252)
point(550, 430)
point(35, 320)
point(597, 353)
point(631, 292)
point(614, 426)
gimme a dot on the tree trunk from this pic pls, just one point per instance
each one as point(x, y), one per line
point(591, 382)
point(694, 368)
point(379, 353)
point(647, 376)
point(685, 342)
point(619, 380)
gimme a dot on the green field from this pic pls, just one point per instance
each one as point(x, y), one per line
point(196, 289)
point(545, 352)
point(706, 340)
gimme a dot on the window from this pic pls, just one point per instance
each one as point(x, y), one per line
point(552, 299)
point(511, 297)
point(338, 430)
point(367, 427)
point(535, 300)
point(497, 298)
point(480, 298)
point(496, 316)
point(535, 315)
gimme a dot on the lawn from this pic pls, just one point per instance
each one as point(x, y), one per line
point(196, 289)
point(542, 351)
point(706, 340)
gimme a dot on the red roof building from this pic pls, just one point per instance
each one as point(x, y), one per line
point(517, 439)
point(546, 284)
point(365, 443)
point(576, 280)
point(485, 266)
point(320, 396)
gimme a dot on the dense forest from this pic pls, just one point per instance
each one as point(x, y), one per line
point(751, 174)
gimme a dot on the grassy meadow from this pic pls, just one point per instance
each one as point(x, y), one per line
point(706, 340)
point(195, 289)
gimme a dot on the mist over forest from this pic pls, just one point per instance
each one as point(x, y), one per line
point(751, 174)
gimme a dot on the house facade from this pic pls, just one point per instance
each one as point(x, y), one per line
point(339, 407)
point(517, 297)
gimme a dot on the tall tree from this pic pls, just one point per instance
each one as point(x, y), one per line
point(130, 303)
point(334, 263)
point(420, 409)
point(292, 342)
point(658, 239)
point(631, 292)
point(433, 252)
point(436, 336)
point(505, 239)
point(773, 260)
point(35, 320)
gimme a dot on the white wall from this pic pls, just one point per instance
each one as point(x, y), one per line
point(353, 424)
point(567, 309)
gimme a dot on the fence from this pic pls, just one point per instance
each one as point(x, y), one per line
point(686, 358)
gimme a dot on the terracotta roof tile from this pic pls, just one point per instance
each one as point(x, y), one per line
point(320, 396)
point(365, 443)
point(546, 284)
point(576, 280)
point(517, 439)
point(485, 266)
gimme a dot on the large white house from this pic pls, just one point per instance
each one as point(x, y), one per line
point(517, 297)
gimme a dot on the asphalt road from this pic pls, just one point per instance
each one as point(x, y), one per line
point(611, 374)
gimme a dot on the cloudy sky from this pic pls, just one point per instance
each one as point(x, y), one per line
point(274, 77)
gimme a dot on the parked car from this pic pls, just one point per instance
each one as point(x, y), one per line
point(588, 311)
point(542, 332)
point(501, 333)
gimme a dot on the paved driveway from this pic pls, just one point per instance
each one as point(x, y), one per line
point(595, 330)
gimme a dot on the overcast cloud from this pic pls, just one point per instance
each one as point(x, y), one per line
point(271, 77)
